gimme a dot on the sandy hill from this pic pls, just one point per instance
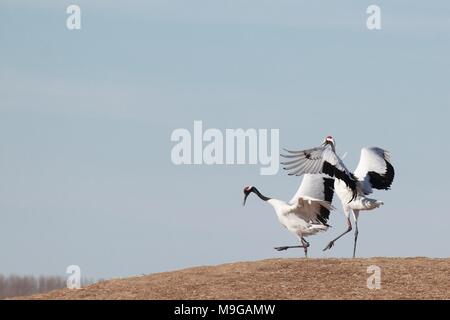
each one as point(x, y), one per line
point(409, 278)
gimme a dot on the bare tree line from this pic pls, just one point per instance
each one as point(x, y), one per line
point(15, 286)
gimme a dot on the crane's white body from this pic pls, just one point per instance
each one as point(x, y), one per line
point(358, 204)
point(296, 217)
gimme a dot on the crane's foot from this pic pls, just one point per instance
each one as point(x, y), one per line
point(287, 247)
point(329, 246)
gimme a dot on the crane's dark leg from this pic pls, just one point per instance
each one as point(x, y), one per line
point(356, 215)
point(305, 246)
point(331, 244)
point(287, 248)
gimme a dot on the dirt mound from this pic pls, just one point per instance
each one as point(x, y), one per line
point(411, 278)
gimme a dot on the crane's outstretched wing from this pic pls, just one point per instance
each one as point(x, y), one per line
point(375, 170)
point(314, 197)
point(319, 160)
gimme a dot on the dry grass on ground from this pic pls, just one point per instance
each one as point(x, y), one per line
point(412, 278)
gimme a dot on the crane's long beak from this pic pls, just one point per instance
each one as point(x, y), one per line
point(245, 199)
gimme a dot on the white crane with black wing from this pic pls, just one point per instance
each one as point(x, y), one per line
point(374, 171)
point(307, 212)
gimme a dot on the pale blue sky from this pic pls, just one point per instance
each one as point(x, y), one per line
point(86, 118)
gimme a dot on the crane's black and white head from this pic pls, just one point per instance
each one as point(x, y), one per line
point(247, 191)
point(329, 141)
point(252, 189)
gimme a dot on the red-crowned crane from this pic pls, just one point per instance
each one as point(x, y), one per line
point(374, 171)
point(308, 211)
